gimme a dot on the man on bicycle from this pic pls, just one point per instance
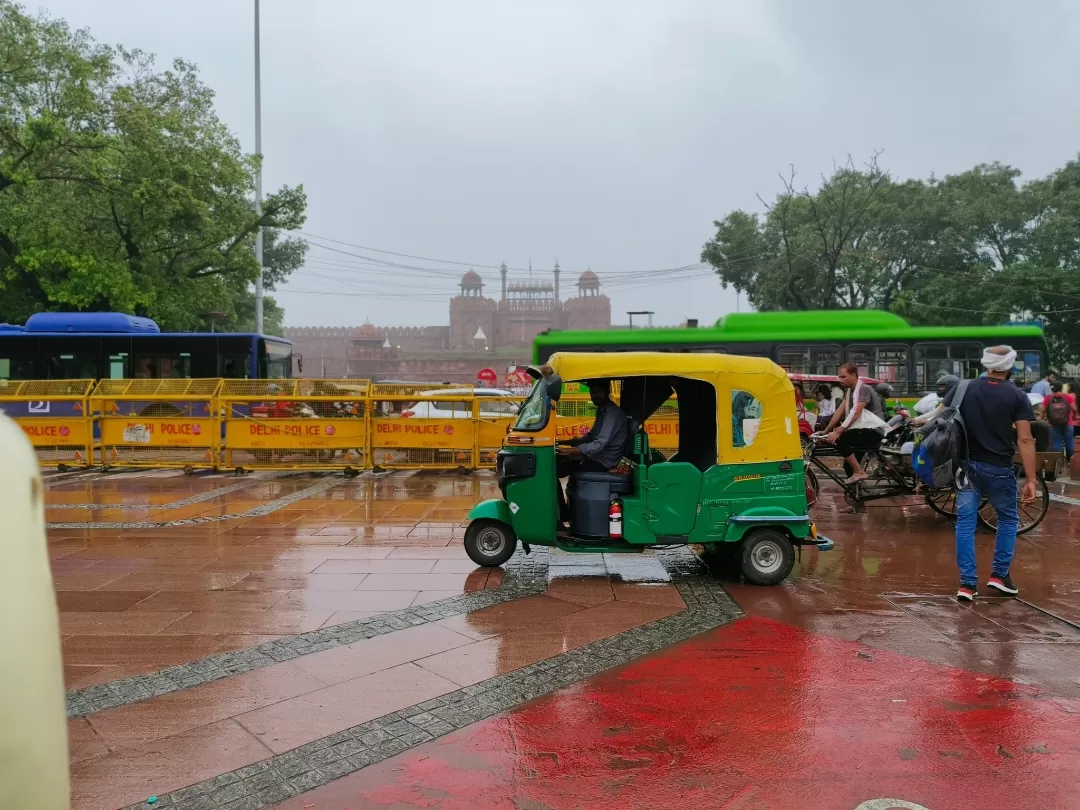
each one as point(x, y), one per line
point(858, 425)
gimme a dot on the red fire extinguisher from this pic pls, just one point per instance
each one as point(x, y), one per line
point(615, 520)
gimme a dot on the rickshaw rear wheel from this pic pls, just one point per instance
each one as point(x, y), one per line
point(489, 542)
point(1029, 515)
point(943, 502)
point(767, 557)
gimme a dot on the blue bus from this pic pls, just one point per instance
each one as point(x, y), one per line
point(113, 345)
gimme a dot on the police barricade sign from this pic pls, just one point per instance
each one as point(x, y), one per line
point(494, 417)
point(157, 423)
point(55, 416)
point(295, 424)
point(663, 431)
point(423, 426)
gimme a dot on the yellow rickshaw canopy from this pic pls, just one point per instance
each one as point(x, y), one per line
point(777, 433)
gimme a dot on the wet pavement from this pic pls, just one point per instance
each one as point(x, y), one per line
point(325, 643)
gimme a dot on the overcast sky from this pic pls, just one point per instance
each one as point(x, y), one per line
point(607, 134)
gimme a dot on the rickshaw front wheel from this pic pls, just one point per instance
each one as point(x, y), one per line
point(489, 542)
point(768, 557)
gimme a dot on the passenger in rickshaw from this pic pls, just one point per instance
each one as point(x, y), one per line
point(858, 425)
point(826, 407)
point(945, 385)
point(600, 450)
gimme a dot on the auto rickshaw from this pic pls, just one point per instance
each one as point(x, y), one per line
point(736, 483)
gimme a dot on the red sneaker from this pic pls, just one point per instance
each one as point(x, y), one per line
point(966, 593)
point(1003, 584)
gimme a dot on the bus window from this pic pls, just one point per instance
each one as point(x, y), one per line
point(809, 359)
point(162, 367)
point(17, 363)
point(885, 363)
point(117, 366)
point(1032, 371)
point(71, 366)
point(235, 367)
point(935, 360)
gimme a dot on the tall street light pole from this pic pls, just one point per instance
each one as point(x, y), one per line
point(258, 181)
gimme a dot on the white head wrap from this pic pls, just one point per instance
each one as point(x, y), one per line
point(998, 362)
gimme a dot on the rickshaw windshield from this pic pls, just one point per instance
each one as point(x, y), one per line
point(534, 411)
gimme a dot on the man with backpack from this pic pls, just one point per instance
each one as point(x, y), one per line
point(986, 409)
point(1060, 411)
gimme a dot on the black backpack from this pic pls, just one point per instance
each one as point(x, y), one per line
point(1058, 410)
point(941, 455)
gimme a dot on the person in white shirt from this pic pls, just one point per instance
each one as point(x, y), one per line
point(944, 386)
point(826, 407)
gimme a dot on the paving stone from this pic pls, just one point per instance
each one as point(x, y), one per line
point(311, 765)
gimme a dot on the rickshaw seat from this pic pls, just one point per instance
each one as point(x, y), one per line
point(618, 484)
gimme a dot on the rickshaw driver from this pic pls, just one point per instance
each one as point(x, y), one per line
point(600, 450)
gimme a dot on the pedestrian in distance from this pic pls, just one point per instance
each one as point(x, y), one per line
point(990, 407)
point(1044, 386)
point(1061, 414)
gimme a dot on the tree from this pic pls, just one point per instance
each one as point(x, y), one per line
point(976, 247)
point(120, 189)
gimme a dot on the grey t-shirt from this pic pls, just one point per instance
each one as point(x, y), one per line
point(606, 441)
point(873, 402)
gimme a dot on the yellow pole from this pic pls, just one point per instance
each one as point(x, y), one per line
point(33, 723)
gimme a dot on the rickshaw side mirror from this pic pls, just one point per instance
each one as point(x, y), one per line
point(553, 386)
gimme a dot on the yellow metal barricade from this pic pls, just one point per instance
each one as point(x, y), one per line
point(494, 416)
point(157, 423)
point(421, 430)
point(55, 415)
point(295, 424)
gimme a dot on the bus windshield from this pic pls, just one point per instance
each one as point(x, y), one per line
point(278, 360)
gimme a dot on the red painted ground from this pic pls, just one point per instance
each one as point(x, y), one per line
point(757, 715)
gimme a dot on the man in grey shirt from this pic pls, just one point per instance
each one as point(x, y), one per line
point(601, 449)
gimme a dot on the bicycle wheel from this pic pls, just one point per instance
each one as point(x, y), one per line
point(1030, 514)
point(942, 501)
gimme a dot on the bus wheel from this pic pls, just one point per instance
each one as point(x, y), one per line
point(189, 470)
point(768, 557)
point(489, 542)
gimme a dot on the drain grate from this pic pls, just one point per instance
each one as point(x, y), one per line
point(989, 620)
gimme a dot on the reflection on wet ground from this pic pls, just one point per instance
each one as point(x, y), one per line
point(158, 569)
point(890, 581)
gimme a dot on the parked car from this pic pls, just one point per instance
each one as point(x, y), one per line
point(494, 408)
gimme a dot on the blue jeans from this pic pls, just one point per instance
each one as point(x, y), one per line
point(1064, 437)
point(998, 485)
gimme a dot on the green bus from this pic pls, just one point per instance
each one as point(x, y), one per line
point(881, 344)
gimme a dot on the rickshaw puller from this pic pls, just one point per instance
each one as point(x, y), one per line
point(600, 450)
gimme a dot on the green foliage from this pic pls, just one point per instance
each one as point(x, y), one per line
point(977, 247)
point(120, 189)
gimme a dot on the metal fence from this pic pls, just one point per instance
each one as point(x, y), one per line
point(295, 424)
point(55, 415)
point(157, 423)
point(346, 425)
